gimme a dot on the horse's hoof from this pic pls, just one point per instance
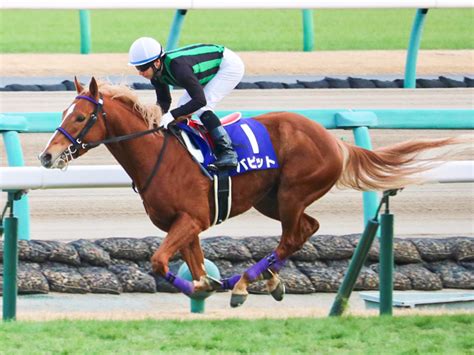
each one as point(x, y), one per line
point(279, 292)
point(213, 283)
point(205, 287)
point(237, 300)
point(275, 285)
point(200, 295)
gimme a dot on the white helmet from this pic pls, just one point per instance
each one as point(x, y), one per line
point(144, 50)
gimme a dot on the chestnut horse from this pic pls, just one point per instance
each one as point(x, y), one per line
point(178, 198)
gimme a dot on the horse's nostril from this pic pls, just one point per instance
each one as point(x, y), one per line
point(45, 159)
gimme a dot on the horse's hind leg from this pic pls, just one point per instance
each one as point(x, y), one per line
point(269, 207)
point(297, 228)
point(293, 241)
point(307, 227)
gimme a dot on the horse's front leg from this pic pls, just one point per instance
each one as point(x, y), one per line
point(194, 258)
point(181, 236)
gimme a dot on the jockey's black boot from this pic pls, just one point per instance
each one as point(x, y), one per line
point(225, 154)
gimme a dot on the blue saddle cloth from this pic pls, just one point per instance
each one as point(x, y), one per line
point(251, 141)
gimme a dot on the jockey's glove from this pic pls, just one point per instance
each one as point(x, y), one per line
point(166, 119)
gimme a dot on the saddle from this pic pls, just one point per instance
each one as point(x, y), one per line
point(251, 142)
point(196, 128)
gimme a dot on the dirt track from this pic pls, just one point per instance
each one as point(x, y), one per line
point(350, 63)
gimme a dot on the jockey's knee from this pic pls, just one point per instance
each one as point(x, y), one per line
point(226, 157)
point(210, 120)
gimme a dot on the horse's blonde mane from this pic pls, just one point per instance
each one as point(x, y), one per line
point(151, 113)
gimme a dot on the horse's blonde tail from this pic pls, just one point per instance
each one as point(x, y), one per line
point(391, 167)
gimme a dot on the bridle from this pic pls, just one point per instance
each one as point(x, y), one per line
point(77, 143)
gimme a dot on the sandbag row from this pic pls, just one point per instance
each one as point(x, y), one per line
point(326, 83)
point(116, 265)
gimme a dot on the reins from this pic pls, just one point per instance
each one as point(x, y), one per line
point(121, 138)
point(155, 168)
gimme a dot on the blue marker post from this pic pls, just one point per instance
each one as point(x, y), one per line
point(308, 31)
point(198, 302)
point(14, 152)
point(414, 45)
point(85, 26)
point(175, 31)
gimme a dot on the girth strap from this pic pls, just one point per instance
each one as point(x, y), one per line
point(221, 180)
point(222, 196)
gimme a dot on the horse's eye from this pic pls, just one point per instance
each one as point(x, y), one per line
point(80, 118)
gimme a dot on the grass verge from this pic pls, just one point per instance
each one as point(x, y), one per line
point(41, 31)
point(375, 335)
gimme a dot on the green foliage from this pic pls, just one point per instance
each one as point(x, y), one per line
point(377, 335)
point(113, 31)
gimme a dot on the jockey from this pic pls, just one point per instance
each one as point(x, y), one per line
point(207, 72)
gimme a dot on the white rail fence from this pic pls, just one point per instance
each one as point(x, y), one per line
point(100, 176)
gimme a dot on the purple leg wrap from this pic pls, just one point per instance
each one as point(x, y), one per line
point(228, 284)
point(184, 286)
point(255, 271)
point(278, 265)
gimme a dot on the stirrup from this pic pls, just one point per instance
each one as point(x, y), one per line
point(216, 167)
point(213, 167)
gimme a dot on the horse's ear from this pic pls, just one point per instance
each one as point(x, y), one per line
point(94, 89)
point(78, 85)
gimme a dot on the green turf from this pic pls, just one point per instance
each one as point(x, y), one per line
point(376, 335)
point(242, 30)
